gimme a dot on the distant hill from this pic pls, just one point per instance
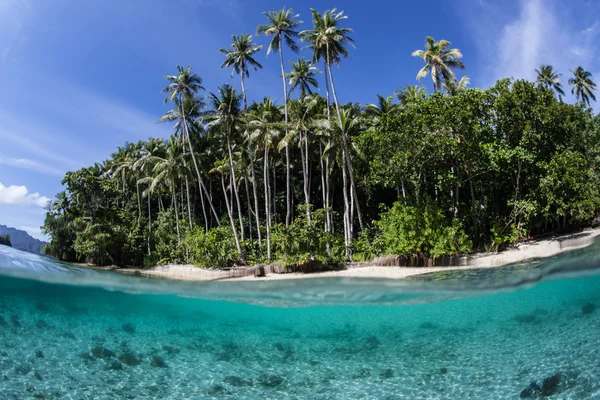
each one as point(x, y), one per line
point(21, 240)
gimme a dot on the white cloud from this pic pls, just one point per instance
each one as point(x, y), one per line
point(513, 42)
point(33, 165)
point(20, 195)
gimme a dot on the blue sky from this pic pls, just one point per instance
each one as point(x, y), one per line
point(82, 77)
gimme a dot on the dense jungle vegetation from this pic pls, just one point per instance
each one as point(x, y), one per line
point(454, 171)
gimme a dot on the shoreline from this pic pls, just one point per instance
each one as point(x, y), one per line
point(534, 249)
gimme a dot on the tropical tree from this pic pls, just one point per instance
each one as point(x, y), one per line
point(452, 87)
point(385, 107)
point(548, 78)
point(182, 90)
point(225, 116)
point(265, 125)
point(282, 26)
point(186, 115)
point(583, 87)
point(439, 60)
point(411, 94)
point(166, 172)
point(302, 76)
point(328, 42)
point(240, 57)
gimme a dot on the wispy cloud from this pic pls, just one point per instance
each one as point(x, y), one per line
point(32, 165)
point(513, 42)
point(20, 195)
point(13, 17)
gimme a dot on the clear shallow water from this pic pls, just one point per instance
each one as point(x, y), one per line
point(67, 333)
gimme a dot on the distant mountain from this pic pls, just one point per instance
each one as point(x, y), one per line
point(21, 240)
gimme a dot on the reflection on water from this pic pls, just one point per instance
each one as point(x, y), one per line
point(528, 330)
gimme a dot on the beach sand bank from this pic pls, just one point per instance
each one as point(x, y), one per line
point(534, 249)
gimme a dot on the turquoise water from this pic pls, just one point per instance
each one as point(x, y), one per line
point(67, 333)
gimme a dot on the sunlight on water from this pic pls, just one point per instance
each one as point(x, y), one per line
point(80, 334)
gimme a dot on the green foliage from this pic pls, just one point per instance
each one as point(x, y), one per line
point(166, 248)
point(302, 242)
point(213, 249)
point(420, 230)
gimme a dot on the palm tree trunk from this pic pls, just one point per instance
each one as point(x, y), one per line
point(176, 213)
point(149, 222)
point(347, 222)
point(273, 194)
point(288, 191)
point(323, 185)
point(189, 207)
point(267, 200)
point(249, 203)
point(251, 157)
point(304, 160)
point(230, 215)
point(234, 189)
point(328, 221)
point(200, 181)
point(137, 188)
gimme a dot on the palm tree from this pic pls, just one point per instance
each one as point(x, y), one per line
point(439, 60)
point(583, 86)
point(411, 94)
point(282, 25)
point(303, 112)
point(225, 115)
point(241, 58)
point(265, 124)
point(167, 171)
point(182, 86)
point(221, 168)
point(454, 87)
point(145, 164)
point(187, 115)
point(385, 107)
point(303, 75)
point(550, 79)
point(328, 42)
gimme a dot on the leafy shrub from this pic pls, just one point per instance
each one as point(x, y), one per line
point(420, 230)
point(164, 232)
point(213, 249)
point(302, 242)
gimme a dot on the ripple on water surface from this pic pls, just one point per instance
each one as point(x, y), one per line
point(80, 342)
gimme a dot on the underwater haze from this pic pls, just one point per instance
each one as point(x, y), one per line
point(523, 331)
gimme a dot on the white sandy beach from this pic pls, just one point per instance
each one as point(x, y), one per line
point(523, 251)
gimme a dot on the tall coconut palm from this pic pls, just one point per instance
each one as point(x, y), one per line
point(328, 42)
point(452, 87)
point(302, 76)
point(225, 115)
point(151, 149)
point(167, 171)
point(186, 84)
point(186, 115)
point(411, 94)
point(265, 125)
point(439, 60)
point(548, 78)
point(583, 86)
point(241, 57)
point(384, 108)
point(221, 168)
point(282, 26)
point(302, 114)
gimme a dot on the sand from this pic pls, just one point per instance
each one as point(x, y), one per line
point(521, 252)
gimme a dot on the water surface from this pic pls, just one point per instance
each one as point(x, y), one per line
point(68, 333)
